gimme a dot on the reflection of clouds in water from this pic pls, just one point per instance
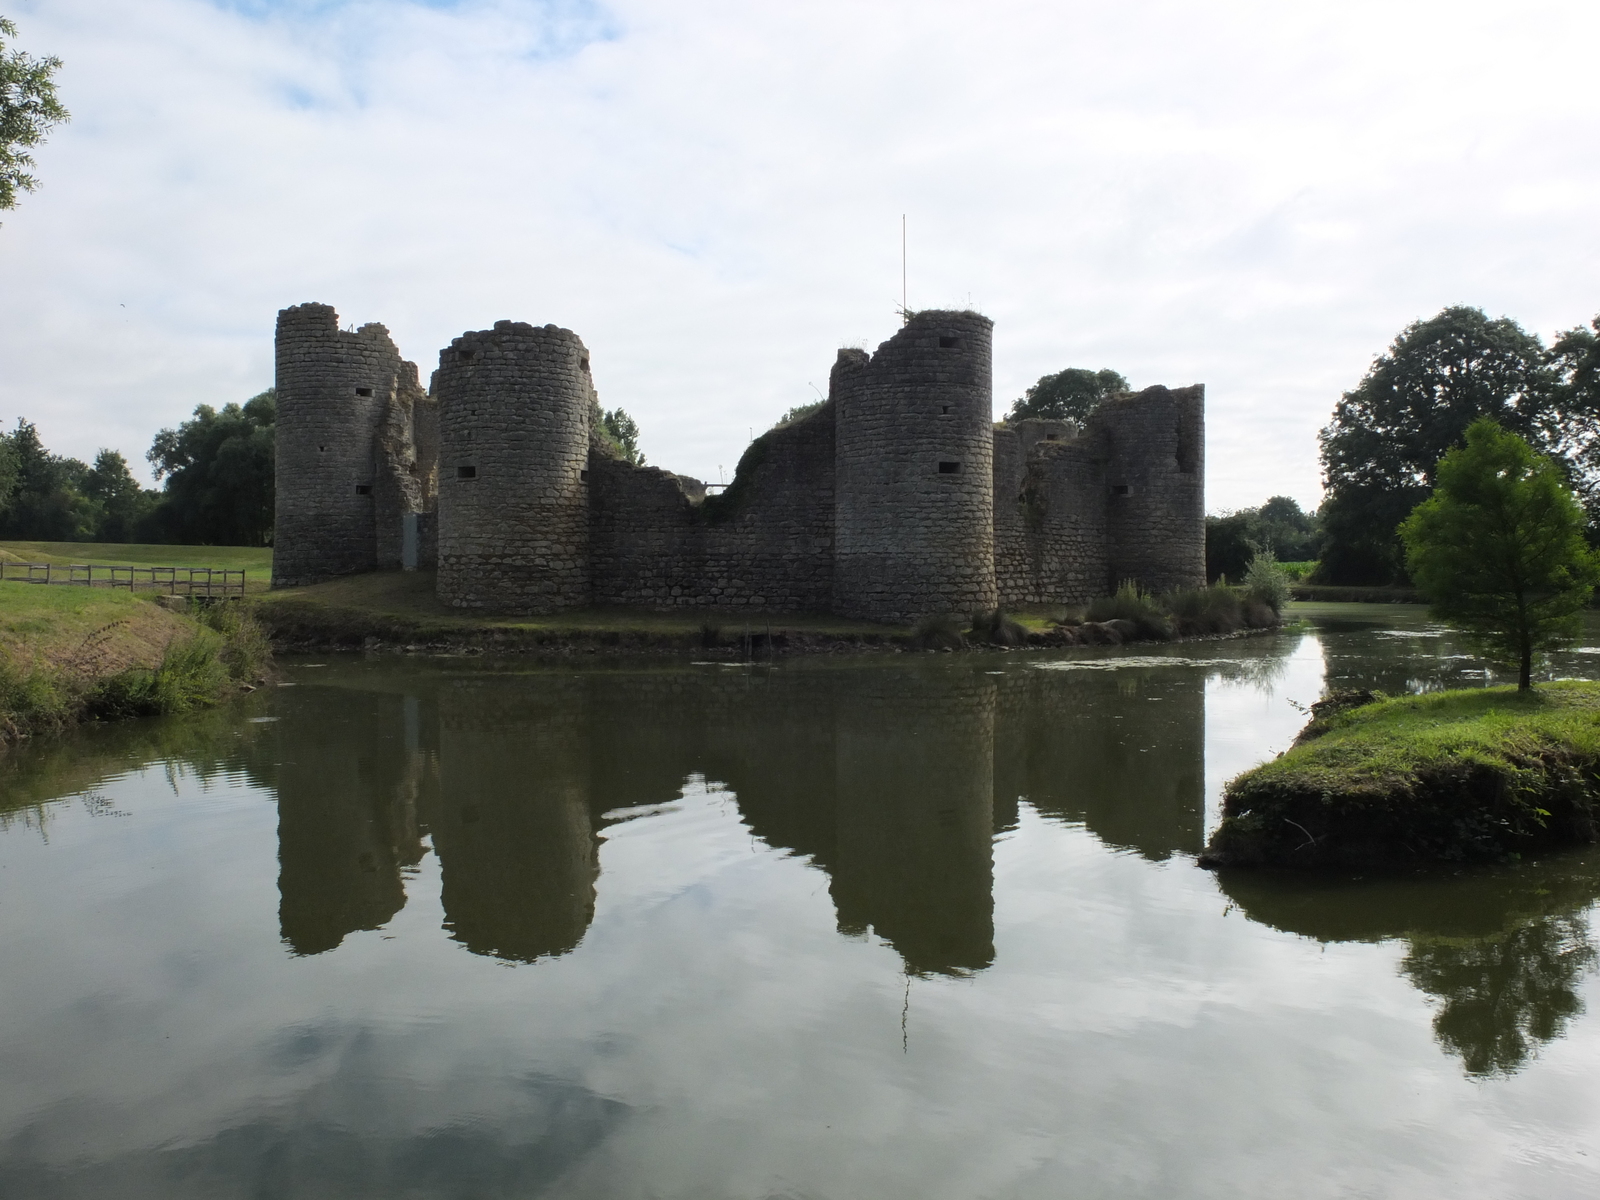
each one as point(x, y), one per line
point(1262, 671)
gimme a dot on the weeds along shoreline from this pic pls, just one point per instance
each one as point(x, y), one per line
point(212, 651)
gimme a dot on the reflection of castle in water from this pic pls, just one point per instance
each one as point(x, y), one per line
point(893, 781)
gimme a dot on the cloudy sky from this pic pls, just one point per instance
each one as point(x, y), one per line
point(1256, 196)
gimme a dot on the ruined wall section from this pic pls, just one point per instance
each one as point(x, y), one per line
point(1027, 557)
point(766, 544)
point(1155, 474)
point(406, 478)
point(769, 539)
point(333, 389)
point(514, 412)
point(644, 535)
point(914, 508)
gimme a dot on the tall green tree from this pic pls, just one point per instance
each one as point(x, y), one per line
point(218, 467)
point(624, 431)
point(119, 501)
point(45, 501)
point(1279, 528)
point(1499, 550)
point(28, 110)
point(1387, 435)
point(1069, 395)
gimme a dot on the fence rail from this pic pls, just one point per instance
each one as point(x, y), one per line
point(178, 581)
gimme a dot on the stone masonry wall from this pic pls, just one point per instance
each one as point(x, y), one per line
point(1156, 525)
point(914, 505)
point(333, 389)
point(766, 543)
point(514, 405)
point(1049, 515)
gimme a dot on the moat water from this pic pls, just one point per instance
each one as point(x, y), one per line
point(908, 926)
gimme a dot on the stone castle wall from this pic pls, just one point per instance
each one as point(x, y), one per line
point(914, 500)
point(898, 498)
point(514, 413)
point(657, 540)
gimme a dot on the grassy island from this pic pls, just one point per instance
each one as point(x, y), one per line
point(1464, 776)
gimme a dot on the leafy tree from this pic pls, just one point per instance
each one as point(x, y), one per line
point(218, 468)
point(1069, 395)
point(1573, 430)
point(1279, 528)
point(1499, 548)
point(1380, 450)
point(120, 503)
point(615, 433)
point(624, 430)
point(45, 501)
point(28, 110)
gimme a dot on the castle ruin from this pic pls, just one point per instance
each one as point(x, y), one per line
point(898, 498)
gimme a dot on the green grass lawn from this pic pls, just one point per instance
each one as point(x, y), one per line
point(255, 561)
point(1467, 775)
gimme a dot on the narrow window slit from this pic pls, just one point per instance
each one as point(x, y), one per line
point(466, 472)
point(949, 468)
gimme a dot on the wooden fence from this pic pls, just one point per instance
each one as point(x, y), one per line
point(178, 581)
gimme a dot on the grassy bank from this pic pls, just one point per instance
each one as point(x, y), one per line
point(1465, 776)
point(69, 654)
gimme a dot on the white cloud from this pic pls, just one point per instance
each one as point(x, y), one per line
point(1256, 196)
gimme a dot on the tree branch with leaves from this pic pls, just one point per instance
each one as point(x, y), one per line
point(28, 110)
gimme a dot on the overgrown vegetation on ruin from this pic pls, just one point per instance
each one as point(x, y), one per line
point(1462, 776)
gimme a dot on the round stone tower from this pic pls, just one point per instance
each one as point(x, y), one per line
point(332, 387)
point(514, 405)
point(1155, 477)
point(914, 472)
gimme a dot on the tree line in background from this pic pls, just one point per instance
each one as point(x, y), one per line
point(1382, 450)
point(216, 468)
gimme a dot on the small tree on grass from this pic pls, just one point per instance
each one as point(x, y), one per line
point(1499, 551)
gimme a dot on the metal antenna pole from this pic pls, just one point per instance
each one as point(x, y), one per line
point(905, 313)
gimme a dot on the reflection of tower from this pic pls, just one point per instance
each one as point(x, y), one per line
point(915, 763)
point(1122, 751)
point(346, 816)
point(516, 846)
